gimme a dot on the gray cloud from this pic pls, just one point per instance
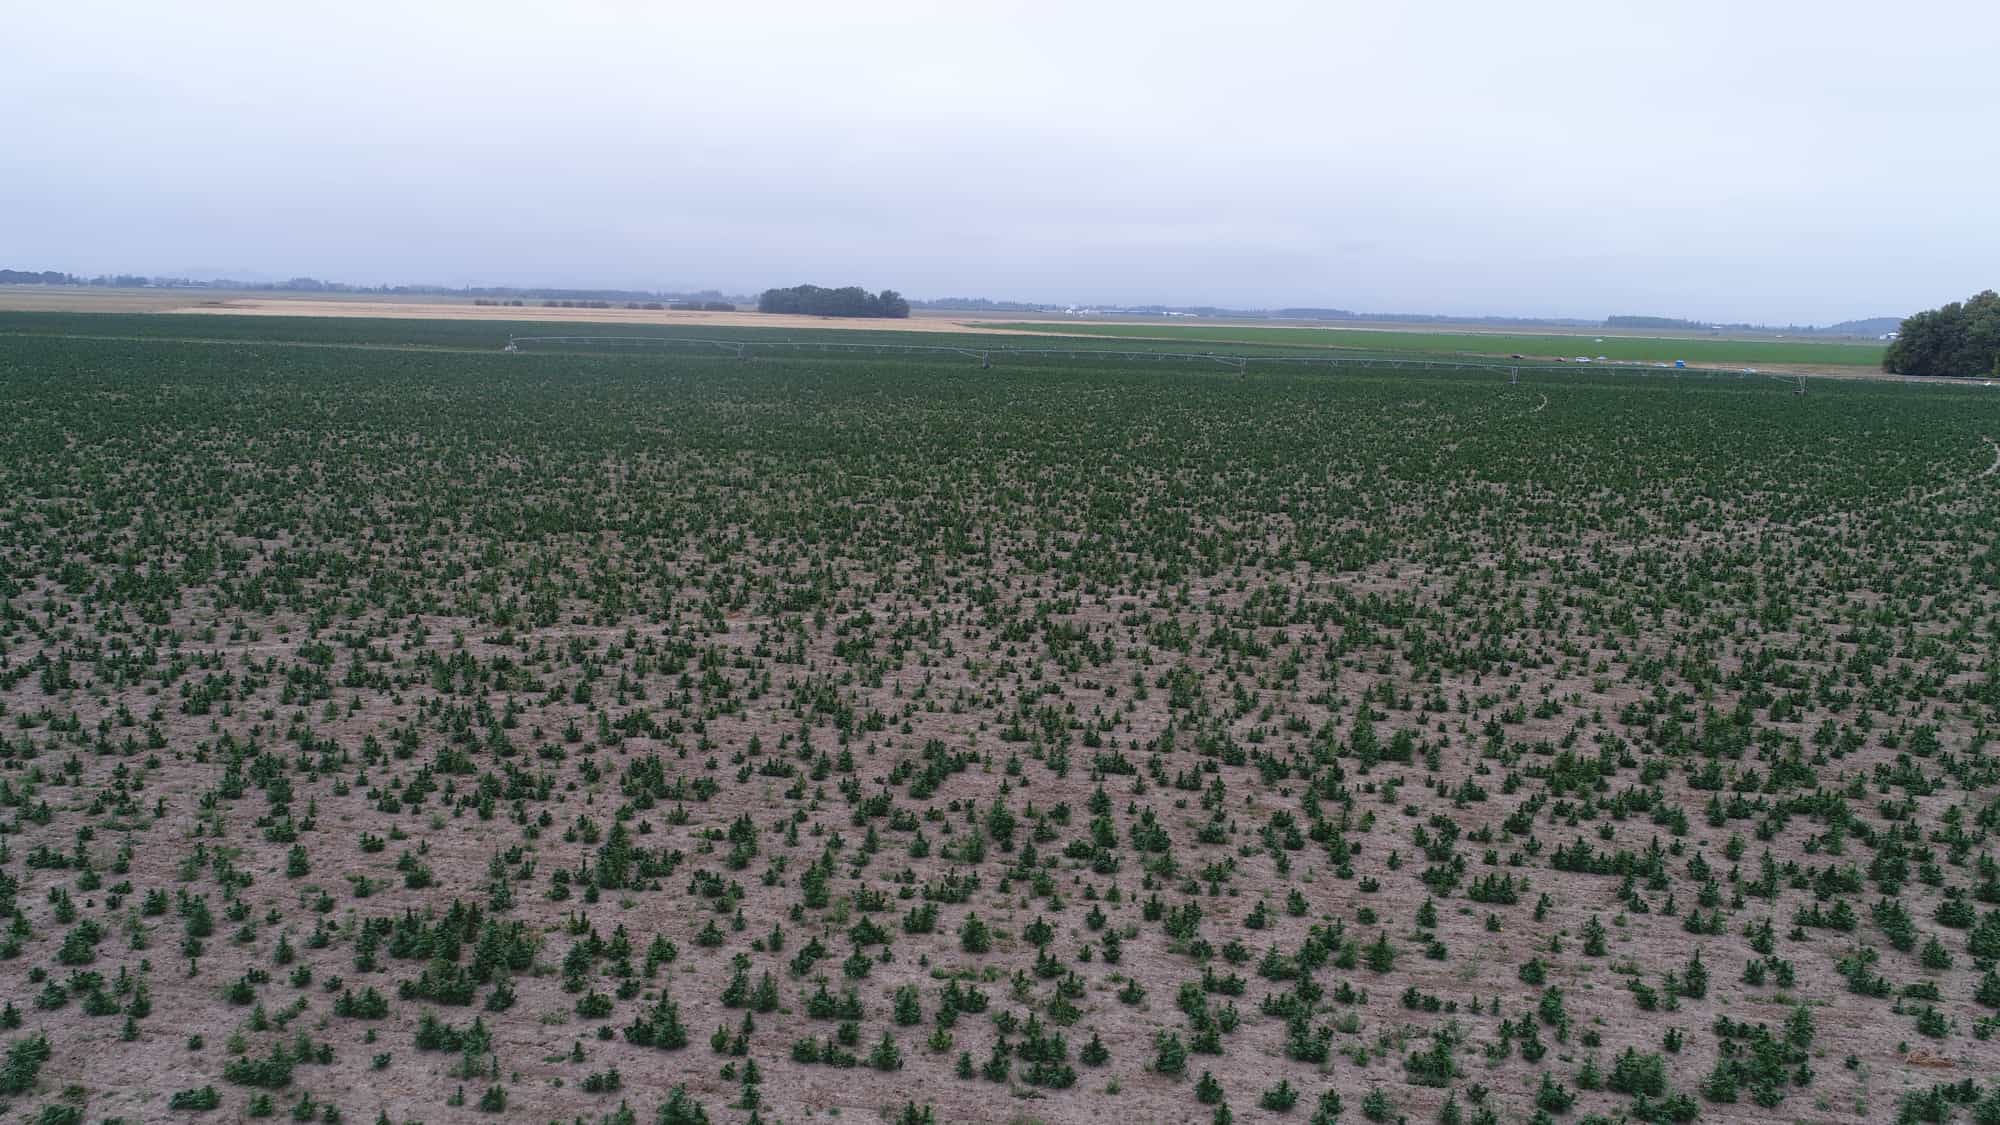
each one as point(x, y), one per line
point(1775, 161)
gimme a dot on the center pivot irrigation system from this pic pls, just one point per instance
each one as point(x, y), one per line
point(1240, 363)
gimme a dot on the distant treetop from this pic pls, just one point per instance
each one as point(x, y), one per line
point(1962, 338)
point(811, 300)
point(36, 277)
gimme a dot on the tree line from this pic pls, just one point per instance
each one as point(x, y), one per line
point(1962, 338)
point(812, 300)
point(35, 277)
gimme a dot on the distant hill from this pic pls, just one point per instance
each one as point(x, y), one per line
point(1650, 322)
point(980, 304)
point(1873, 326)
point(1315, 314)
point(1870, 328)
point(1410, 318)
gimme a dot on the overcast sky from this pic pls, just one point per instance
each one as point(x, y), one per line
point(1753, 160)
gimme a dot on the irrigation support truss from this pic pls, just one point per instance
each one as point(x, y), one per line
point(1237, 362)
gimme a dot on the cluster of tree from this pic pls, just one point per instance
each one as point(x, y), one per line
point(1962, 338)
point(811, 300)
point(32, 277)
point(57, 277)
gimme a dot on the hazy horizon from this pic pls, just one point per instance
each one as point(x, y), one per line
point(1787, 165)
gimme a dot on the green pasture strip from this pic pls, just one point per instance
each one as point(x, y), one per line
point(1640, 349)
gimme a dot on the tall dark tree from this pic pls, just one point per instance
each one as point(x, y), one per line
point(35, 277)
point(852, 300)
point(1962, 338)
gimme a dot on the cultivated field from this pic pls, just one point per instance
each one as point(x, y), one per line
point(396, 730)
point(233, 305)
point(1802, 354)
point(1831, 357)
